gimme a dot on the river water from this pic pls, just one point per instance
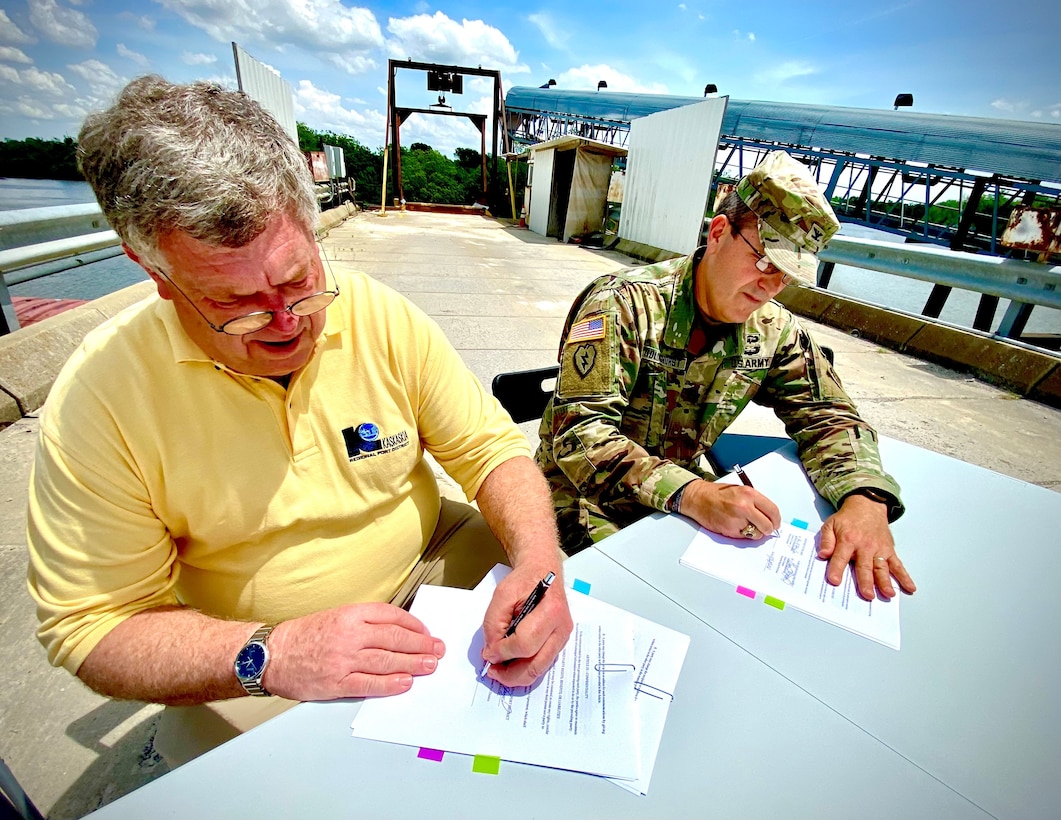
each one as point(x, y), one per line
point(101, 278)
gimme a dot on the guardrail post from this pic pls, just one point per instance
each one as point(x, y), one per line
point(8, 319)
point(936, 300)
point(985, 312)
point(1016, 318)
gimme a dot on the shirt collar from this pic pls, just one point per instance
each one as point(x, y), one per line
point(683, 310)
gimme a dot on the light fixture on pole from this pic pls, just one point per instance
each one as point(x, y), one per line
point(904, 100)
point(602, 84)
point(710, 89)
point(547, 84)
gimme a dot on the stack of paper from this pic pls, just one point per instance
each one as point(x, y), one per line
point(786, 567)
point(600, 709)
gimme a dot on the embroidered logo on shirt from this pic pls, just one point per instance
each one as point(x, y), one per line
point(584, 358)
point(365, 440)
point(587, 330)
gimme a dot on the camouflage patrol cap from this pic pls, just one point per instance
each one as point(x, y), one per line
point(795, 218)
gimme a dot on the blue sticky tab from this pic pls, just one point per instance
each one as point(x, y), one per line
point(580, 586)
point(801, 524)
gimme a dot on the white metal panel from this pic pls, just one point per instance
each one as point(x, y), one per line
point(538, 210)
point(264, 84)
point(336, 161)
point(668, 178)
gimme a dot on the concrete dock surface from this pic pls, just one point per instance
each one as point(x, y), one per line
point(500, 293)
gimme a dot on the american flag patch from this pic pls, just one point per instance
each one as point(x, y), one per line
point(587, 330)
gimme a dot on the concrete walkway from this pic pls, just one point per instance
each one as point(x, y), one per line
point(500, 294)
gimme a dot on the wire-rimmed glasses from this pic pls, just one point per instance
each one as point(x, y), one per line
point(253, 322)
point(763, 264)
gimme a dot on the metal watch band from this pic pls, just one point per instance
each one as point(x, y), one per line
point(254, 687)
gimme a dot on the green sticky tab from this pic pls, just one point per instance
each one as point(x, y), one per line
point(485, 764)
point(777, 603)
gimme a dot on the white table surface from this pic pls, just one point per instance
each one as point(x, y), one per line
point(741, 741)
point(974, 695)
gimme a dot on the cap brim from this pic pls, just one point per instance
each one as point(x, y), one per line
point(787, 256)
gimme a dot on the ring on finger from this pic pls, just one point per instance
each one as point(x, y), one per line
point(750, 531)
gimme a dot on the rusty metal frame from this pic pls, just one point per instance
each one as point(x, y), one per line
point(397, 115)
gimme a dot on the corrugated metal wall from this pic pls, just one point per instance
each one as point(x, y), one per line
point(265, 85)
point(668, 177)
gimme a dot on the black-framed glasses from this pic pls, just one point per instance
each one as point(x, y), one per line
point(763, 264)
point(253, 322)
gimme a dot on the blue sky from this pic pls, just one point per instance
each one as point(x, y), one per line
point(62, 58)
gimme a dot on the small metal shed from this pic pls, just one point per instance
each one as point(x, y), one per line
point(567, 188)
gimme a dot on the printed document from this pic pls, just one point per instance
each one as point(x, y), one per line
point(786, 567)
point(660, 653)
point(578, 716)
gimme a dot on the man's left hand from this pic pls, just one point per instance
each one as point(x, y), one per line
point(526, 655)
point(858, 532)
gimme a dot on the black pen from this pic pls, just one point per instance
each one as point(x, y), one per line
point(747, 482)
point(532, 601)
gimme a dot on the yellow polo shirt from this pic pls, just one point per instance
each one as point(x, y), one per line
point(162, 477)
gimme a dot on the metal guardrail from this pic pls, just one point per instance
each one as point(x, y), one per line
point(1025, 284)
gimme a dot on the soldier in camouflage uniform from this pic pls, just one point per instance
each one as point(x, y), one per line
point(657, 362)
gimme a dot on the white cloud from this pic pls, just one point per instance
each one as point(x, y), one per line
point(11, 33)
point(135, 56)
point(139, 20)
point(682, 6)
point(198, 58)
point(340, 34)
point(751, 36)
point(10, 54)
point(62, 25)
point(41, 82)
point(324, 111)
point(586, 77)
point(438, 39)
point(786, 71)
point(555, 35)
point(101, 79)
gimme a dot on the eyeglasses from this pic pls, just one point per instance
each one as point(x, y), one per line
point(763, 265)
point(252, 322)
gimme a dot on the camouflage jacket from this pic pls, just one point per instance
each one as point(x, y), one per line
point(646, 387)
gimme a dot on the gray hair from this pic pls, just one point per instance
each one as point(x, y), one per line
point(195, 158)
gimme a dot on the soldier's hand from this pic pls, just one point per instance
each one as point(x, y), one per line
point(858, 533)
point(733, 510)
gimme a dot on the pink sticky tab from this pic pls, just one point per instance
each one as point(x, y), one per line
point(430, 754)
point(747, 593)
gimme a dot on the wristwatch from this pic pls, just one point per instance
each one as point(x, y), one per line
point(895, 509)
point(252, 661)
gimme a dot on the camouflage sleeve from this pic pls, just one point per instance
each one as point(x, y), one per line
point(837, 447)
point(599, 361)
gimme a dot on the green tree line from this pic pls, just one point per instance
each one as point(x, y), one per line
point(39, 159)
point(427, 175)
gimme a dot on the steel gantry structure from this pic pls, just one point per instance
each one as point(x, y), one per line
point(891, 170)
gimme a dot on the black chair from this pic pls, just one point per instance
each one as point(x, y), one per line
point(14, 802)
point(523, 393)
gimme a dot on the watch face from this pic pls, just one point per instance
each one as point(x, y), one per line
point(250, 662)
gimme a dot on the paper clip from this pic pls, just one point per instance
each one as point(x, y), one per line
point(651, 691)
point(614, 667)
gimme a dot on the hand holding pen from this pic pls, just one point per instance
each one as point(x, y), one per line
point(535, 598)
point(751, 530)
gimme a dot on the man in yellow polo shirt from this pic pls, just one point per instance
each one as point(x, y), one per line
point(230, 496)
